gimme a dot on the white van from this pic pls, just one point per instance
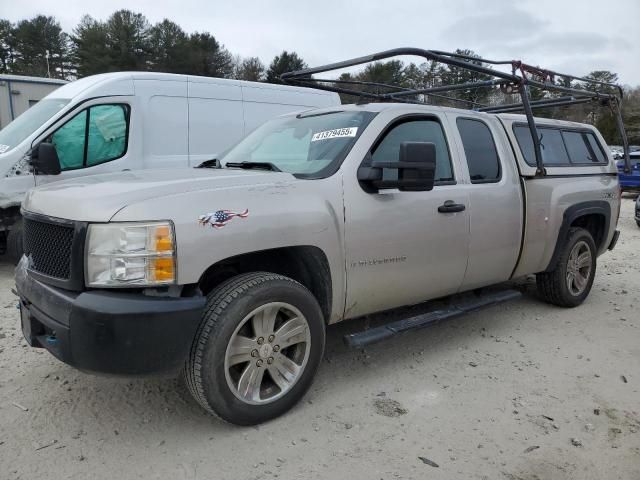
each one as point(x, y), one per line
point(135, 120)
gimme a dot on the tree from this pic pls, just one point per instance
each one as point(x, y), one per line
point(453, 75)
point(251, 69)
point(128, 41)
point(208, 57)
point(601, 76)
point(91, 50)
point(169, 48)
point(39, 47)
point(285, 62)
point(6, 46)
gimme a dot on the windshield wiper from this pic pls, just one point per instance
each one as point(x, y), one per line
point(213, 163)
point(251, 165)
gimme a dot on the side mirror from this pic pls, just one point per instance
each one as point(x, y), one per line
point(46, 161)
point(416, 170)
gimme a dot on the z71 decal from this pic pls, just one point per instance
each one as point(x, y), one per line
point(220, 218)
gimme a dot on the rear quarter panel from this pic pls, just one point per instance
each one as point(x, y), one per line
point(548, 198)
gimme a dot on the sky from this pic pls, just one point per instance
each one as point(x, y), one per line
point(573, 37)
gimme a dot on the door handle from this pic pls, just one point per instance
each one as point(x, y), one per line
point(451, 207)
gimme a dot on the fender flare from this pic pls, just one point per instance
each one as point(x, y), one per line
point(570, 215)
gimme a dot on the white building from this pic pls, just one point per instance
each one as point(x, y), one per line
point(18, 93)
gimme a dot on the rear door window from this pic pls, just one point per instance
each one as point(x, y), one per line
point(480, 150)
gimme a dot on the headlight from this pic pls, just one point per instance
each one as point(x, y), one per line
point(130, 254)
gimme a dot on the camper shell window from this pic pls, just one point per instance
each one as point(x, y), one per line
point(561, 147)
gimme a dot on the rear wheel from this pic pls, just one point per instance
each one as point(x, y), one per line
point(258, 348)
point(14, 243)
point(571, 280)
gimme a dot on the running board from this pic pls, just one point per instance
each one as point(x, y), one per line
point(465, 305)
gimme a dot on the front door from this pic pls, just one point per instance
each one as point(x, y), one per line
point(400, 249)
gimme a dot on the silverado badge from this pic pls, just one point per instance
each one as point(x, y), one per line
point(219, 218)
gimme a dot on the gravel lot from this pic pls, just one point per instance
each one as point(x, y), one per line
point(523, 391)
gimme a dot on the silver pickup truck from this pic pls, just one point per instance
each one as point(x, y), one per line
point(231, 273)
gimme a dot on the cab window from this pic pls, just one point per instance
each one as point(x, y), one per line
point(94, 136)
point(422, 130)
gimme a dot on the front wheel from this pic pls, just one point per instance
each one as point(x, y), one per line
point(14, 243)
point(257, 350)
point(571, 280)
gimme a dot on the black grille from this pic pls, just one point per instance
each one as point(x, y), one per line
point(48, 246)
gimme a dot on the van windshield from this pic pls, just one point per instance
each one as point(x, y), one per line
point(307, 145)
point(27, 123)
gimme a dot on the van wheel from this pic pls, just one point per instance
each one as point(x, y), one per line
point(571, 280)
point(257, 349)
point(14, 243)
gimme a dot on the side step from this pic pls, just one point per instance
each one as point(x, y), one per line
point(457, 308)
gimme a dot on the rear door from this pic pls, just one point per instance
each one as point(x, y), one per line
point(495, 199)
point(400, 249)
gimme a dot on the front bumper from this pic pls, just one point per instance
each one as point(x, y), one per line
point(108, 331)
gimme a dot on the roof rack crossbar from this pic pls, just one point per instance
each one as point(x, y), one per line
point(519, 81)
point(518, 107)
point(544, 102)
point(473, 59)
point(418, 52)
point(451, 88)
point(575, 91)
point(316, 83)
point(356, 82)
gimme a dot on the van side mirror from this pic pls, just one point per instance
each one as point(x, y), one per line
point(46, 161)
point(416, 170)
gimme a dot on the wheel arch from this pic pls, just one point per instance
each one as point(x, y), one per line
point(305, 264)
point(594, 216)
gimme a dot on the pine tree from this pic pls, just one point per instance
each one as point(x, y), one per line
point(285, 62)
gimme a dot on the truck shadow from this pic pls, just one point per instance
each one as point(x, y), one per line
point(130, 407)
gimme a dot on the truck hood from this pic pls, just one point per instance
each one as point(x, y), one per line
point(98, 198)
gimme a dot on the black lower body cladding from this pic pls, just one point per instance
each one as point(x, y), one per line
point(107, 331)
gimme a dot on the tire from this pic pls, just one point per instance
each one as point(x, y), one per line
point(14, 243)
point(556, 286)
point(215, 376)
point(638, 222)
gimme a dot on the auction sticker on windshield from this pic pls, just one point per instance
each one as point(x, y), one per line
point(335, 133)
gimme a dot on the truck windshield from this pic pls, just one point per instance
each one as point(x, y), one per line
point(307, 145)
point(27, 123)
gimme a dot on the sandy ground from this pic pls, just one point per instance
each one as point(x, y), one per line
point(523, 391)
